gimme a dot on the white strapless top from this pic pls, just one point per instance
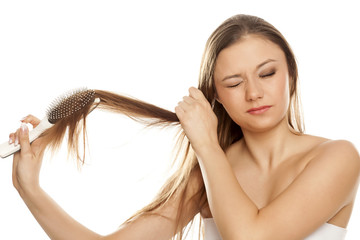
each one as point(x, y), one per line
point(325, 232)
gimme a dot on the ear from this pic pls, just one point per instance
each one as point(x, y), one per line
point(214, 101)
point(217, 98)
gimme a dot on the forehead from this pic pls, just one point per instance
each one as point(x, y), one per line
point(246, 54)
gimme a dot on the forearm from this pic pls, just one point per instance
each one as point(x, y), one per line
point(53, 219)
point(234, 212)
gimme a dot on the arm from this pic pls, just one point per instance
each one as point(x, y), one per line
point(59, 225)
point(326, 185)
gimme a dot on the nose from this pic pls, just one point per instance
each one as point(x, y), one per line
point(254, 90)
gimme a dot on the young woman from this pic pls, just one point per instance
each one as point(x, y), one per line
point(249, 169)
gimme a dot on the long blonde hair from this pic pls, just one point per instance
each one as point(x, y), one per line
point(229, 32)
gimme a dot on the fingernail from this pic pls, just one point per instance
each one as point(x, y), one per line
point(10, 141)
point(23, 127)
point(16, 141)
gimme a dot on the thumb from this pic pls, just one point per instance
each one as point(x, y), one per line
point(24, 139)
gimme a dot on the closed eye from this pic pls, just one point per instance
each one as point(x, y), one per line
point(235, 85)
point(267, 75)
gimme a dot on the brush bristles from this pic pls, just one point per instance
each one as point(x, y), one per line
point(69, 103)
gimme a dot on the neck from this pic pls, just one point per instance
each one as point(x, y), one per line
point(269, 148)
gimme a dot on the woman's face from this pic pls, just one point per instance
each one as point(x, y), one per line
point(253, 73)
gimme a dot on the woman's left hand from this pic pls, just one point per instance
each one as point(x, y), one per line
point(198, 120)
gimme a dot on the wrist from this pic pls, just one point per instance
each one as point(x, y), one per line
point(208, 149)
point(29, 191)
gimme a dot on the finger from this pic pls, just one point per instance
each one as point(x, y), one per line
point(16, 138)
point(184, 106)
point(188, 100)
point(179, 112)
point(23, 135)
point(11, 138)
point(34, 121)
point(196, 93)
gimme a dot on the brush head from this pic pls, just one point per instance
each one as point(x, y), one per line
point(69, 103)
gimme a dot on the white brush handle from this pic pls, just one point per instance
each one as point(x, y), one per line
point(7, 149)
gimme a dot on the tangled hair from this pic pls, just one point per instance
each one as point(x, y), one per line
point(228, 33)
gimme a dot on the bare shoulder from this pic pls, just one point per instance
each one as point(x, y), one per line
point(338, 158)
point(327, 151)
point(340, 150)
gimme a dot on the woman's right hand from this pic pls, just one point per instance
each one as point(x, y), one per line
point(27, 162)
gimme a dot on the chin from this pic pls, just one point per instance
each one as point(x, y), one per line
point(261, 125)
point(257, 129)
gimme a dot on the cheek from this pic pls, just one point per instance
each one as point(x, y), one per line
point(282, 93)
point(229, 97)
point(233, 102)
point(220, 94)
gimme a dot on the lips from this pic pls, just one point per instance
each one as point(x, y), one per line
point(258, 110)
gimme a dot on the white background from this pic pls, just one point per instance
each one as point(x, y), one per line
point(150, 50)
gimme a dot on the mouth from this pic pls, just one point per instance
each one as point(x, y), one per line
point(258, 110)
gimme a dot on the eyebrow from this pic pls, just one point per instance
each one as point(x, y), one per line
point(257, 67)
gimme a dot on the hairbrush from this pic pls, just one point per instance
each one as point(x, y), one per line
point(62, 107)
